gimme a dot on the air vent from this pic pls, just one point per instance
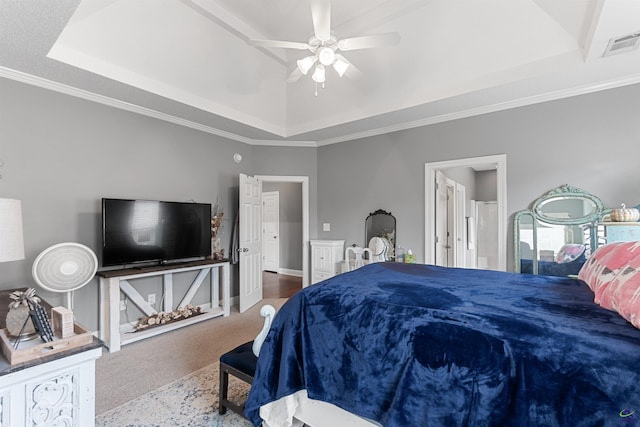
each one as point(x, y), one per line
point(622, 44)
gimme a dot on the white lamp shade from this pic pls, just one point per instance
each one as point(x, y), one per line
point(11, 239)
point(340, 65)
point(318, 74)
point(305, 64)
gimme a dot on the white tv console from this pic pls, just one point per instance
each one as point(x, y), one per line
point(112, 282)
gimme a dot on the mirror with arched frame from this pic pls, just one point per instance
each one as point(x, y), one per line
point(381, 224)
point(558, 233)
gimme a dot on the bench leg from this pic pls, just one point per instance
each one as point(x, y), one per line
point(224, 388)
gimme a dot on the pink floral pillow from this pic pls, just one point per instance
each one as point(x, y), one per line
point(613, 274)
point(569, 252)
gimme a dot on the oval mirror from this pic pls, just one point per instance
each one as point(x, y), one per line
point(568, 205)
point(559, 232)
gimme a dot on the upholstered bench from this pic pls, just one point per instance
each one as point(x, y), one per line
point(241, 363)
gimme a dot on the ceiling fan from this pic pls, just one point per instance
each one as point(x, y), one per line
point(324, 47)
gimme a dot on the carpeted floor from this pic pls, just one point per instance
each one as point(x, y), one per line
point(189, 401)
point(154, 381)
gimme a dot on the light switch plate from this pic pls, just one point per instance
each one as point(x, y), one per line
point(326, 226)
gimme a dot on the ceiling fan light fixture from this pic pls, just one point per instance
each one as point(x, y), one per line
point(319, 75)
point(305, 64)
point(340, 65)
point(326, 56)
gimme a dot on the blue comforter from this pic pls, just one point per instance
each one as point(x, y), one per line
point(417, 345)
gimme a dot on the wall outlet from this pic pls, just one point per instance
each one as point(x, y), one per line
point(123, 305)
point(151, 299)
point(326, 226)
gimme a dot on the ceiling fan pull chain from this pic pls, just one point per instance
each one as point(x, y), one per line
point(316, 84)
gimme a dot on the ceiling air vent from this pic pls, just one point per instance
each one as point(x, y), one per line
point(622, 44)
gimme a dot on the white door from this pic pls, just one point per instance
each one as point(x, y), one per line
point(440, 243)
point(451, 223)
point(487, 230)
point(460, 235)
point(271, 231)
point(250, 242)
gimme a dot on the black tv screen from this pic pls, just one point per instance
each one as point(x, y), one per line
point(136, 231)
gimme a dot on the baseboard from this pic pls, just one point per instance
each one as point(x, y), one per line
point(297, 273)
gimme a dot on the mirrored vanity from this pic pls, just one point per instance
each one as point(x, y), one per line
point(380, 235)
point(558, 233)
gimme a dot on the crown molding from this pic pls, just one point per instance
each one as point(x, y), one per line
point(501, 106)
point(283, 143)
point(111, 102)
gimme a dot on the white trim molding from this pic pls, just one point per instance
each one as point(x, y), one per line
point(304, 180)
point(289, 272)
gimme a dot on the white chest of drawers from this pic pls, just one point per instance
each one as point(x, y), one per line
point(326, 257)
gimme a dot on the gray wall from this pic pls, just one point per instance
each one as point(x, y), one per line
point(589, 141)
point(290, 222)
point(62, 155)
point(291, 161)
point(465, 176)
point(487, 185)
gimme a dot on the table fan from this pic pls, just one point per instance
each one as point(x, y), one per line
point(65, 267)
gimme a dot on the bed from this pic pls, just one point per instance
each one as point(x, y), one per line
point(410, 345)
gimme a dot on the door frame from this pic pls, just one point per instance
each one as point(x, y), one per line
point(500, 160)
point(304, 180)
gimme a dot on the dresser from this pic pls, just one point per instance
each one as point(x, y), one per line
point(51, 390)
point(621, 231)
point(326, 259)
point(58, 390)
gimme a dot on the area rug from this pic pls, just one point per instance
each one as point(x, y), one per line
point(189, 401)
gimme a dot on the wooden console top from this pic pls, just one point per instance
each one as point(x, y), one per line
point(160, 267)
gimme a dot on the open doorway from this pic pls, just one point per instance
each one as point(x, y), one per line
point(297, 251)
point(467, 246)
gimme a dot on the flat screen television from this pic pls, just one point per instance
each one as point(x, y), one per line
point(146, 231)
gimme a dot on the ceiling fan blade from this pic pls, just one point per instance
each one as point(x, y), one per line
point(367, 42)
point(278, 43)
point(294, 76)
point(352, 72)
point(321, 15)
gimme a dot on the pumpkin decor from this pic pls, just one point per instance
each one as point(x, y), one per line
point(625, 214)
